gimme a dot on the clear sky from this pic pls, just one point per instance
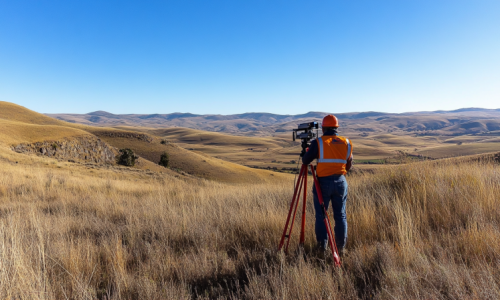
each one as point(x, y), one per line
point(235, 56)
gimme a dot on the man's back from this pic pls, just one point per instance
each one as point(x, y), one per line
point(334, 147)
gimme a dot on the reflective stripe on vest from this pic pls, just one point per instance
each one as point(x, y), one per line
point(321, 158)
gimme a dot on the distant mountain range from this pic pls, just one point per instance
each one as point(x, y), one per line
point(455, 122)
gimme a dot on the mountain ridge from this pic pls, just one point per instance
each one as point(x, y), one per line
point(465, 109)
point(453, 122)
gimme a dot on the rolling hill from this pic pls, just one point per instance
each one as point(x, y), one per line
point(26, 132)
point(21, 125)
point(212, 153)
point(267, 142)
point(456, 122)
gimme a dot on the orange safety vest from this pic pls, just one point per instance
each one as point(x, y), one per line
point(334, 151)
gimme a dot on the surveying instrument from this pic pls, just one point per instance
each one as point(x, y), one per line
point(306, 134)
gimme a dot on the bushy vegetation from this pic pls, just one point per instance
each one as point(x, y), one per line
point(420, 231)
point(164, 160)
point(126, 157)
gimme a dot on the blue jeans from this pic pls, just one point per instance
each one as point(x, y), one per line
point(334, 189)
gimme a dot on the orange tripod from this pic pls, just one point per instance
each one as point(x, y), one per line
point(302, 181)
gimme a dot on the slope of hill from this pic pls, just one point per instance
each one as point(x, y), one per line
point(13, 112)
point(58, 139)
point(448, 150)
point(200, 137)
point(195, 163)
point(18, 132)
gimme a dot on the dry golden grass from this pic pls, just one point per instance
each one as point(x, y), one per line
point(254, 151)
point(199, 137)
point(13, 112)
point(448, 150)
point(13, 132)
point(195, 163)
point(421, 231)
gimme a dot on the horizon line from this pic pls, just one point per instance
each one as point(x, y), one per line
point(464, 109)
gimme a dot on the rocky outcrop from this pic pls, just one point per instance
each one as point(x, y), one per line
point(129, 135)
point(85, 148)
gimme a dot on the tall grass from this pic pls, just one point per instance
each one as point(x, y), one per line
point(419, 231)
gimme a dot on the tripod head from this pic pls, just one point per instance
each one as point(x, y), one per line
point(305, 144)
point(306, 134)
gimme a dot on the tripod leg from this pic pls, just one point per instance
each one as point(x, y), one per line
point(304, 177)
point(326, 220)
point(303, 227)
point(292, 204)
point(331, 240)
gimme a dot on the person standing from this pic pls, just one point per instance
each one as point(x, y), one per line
point(334, 154)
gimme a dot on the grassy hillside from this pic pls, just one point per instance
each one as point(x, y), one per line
point(13, 132)
point(276, 151)
point(191, 162)
point(460, 150)
point(414, 233)
point(199, 137)
point(20, 125)
point(13, 112)
point(255, 151)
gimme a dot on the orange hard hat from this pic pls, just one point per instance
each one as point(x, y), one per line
point(330, 121)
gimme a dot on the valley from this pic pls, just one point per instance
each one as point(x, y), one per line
point(378, 137)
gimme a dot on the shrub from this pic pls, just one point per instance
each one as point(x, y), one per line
point(163, 142)
point(126, 157)
point(164, 160)
point(54, 146)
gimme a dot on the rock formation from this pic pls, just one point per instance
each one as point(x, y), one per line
point(85, 149)
point(130, 135)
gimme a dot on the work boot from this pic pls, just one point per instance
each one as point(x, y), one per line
point(342, 252)
point(320, 252)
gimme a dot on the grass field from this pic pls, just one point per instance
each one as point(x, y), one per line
point(419, 231)
point(13, 132)
point(460, 150)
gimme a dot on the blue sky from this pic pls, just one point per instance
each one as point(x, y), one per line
point(224, 57)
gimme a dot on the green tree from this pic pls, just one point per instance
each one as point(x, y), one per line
point(126, 157)
point(164, 160)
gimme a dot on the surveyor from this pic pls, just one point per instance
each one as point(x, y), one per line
point(334, 154)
